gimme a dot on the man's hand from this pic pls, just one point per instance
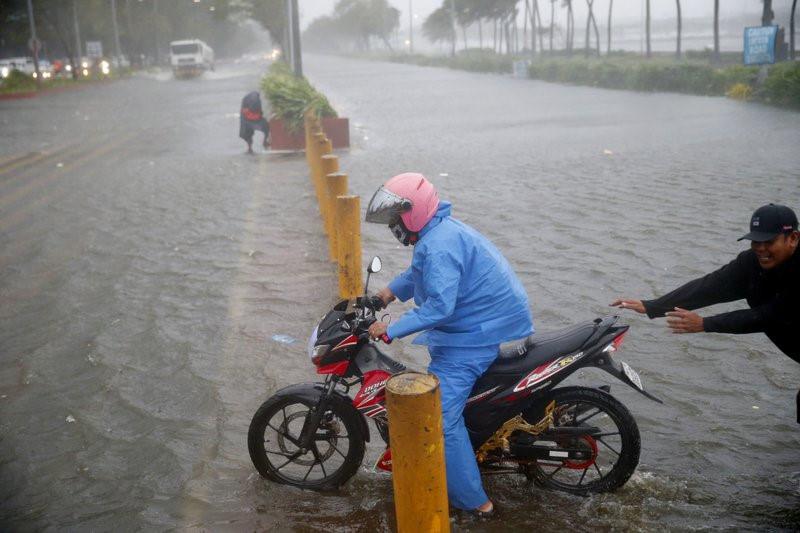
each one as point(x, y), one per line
point(627, 303)
point(386, 295)
point(377, 329)
point(683, 321)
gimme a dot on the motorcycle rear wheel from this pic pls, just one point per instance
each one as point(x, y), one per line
point(615, 450)
point(334, 456)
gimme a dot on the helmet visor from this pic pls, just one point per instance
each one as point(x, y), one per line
point(386, 207)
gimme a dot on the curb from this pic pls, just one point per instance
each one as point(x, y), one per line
point(53, 90)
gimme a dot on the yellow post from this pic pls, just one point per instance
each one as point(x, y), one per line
point(418, 473)
point(348, 241)
point(336, 185)
point(312, 157)
point(321, 148)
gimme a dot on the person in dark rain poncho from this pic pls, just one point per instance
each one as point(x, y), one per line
point(251, 118)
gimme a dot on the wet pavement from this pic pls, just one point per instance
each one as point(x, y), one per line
point(146, 264)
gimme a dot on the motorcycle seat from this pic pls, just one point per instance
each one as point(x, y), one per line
point(541, 347)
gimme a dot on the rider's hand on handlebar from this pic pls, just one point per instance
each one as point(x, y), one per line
point(628, 303)
point(377, 330)
point(376, 302)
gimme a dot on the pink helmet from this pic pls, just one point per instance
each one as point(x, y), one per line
point(409, 196)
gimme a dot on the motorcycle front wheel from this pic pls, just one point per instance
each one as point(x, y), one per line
point(611, 440)
point(335, 452)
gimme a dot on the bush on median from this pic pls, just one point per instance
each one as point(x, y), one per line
point(18, 82)
point(290, 97)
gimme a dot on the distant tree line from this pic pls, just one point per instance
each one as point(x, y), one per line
point(540, 20)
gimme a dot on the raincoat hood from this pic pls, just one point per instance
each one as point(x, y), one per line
point(442, 212)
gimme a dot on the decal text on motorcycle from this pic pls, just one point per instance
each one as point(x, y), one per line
point(546, 370)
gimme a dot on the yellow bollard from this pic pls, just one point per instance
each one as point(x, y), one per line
point(321, 147)
point(348, 241)
point(329, 164)
point(336, 185)
point(418, 470)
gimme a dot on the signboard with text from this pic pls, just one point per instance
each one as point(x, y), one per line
point(759, 45)
point(94, 49)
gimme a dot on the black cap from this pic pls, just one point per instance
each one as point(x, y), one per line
point(769, 221)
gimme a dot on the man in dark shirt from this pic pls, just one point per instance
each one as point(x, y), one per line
point(767, 276)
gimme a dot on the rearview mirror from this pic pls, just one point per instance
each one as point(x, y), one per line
point(374, 265)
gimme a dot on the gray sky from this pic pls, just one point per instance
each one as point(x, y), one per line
point(625, 10)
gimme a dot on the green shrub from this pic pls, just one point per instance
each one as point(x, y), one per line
point(18, 82)
point(481, 61)
point(290, 97)
point(782, 86)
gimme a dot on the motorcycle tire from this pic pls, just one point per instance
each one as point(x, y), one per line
point(272, 442)
point(584, 407)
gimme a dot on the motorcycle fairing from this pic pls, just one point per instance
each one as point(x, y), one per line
point(371, 398)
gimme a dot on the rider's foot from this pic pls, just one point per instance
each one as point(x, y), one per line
point(486, 511)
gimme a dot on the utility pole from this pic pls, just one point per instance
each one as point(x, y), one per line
point(453, 16)
point(76, 66)
point(295, 53)
point(34, 45)
point(410, 28)
point(116, 30)
point(155, 32)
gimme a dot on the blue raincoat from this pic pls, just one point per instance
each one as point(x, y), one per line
point(465, 290)
point(468, 302)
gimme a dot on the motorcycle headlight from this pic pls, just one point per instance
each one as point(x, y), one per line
point(312, 340)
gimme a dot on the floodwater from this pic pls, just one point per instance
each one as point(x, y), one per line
point(147, 264)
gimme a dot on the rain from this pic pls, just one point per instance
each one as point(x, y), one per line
point(163, 260)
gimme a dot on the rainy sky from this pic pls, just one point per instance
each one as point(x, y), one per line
point(625, 10)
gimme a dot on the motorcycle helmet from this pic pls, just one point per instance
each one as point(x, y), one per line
point(405, 203)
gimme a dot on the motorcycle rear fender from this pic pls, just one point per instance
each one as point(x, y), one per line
point(312, 392)
point(614, 367)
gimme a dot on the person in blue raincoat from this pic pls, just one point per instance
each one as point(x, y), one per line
point(468, 302)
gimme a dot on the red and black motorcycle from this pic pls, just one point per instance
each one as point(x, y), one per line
point(575, 439)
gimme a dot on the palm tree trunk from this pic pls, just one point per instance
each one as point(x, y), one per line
point(596, 33)
point(678, 49)
point(464, 34)
point(610, 7)
point(647, 26)
point(791, 30)
point(533, 29)
point(588, 27)
point(570, 28)
point(480, 33)
point(539, 24)
point(716, 31)
point(552, 15)
point(525, 23)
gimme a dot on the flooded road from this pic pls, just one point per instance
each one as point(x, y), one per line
point(147, 264)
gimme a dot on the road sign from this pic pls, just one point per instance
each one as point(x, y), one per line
point(759, 45)
point(94, 49)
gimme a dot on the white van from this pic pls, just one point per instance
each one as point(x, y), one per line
point(190, 57)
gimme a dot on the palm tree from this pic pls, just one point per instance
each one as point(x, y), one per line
point(552, 15)
point(610, 7)
point(716, 31)
point(570, 26)
point(647, 26)
point(678, 49)
point(589, 23)
point(791, 29)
